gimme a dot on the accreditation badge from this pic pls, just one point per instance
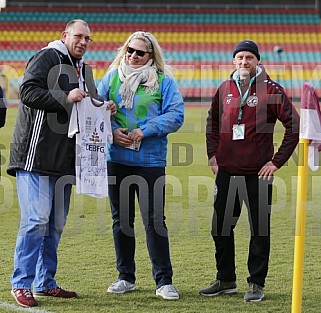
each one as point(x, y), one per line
point(238, 131)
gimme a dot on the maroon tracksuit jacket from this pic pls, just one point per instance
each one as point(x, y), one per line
point(265, 103)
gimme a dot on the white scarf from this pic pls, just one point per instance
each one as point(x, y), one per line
point(132, 78)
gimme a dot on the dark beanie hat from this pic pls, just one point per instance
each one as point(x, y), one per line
point(247, 45)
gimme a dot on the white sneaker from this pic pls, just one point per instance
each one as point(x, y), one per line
point(121, 286)
point(168, 292)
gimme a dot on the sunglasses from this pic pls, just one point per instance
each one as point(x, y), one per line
point(140, 53)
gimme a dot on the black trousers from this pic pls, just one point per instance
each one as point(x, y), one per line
point(148, 183)
point(231, 192)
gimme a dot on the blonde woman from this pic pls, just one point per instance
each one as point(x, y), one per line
point(149, 107)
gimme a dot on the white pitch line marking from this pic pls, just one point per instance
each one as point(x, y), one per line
point(16, 308)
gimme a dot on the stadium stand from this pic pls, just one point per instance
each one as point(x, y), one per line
point(197, 41)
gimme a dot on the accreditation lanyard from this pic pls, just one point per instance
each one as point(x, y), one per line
point(243, 98)
point(82, 84)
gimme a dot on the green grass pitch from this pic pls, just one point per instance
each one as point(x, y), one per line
point(87, 258)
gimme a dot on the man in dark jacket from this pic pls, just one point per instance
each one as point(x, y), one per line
point(3, 112)
point(42, 158)
point(239, 137)
point(3, 108)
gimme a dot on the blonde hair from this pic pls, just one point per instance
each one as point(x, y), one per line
point(152, 46)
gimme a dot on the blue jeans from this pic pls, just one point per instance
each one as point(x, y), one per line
point(149, 185)
point(44, 204)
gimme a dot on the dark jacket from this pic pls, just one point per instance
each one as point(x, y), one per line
point(40, 140)
point(266, 103)
point(3, 108)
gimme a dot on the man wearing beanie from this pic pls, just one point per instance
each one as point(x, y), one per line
point(247, 45)
point(240, 149)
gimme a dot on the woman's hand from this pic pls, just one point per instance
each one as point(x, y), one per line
point(121, 138)
point(136, 135)
point(112, 107)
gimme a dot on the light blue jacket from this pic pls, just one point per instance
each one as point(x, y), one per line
point(157, 114)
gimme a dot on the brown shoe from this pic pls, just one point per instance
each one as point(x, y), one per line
point(55, 292)
point(24, 297)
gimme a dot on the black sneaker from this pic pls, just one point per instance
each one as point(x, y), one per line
point(254, 294)
point(219, 287)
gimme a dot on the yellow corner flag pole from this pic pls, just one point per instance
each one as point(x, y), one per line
point(300, 227)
